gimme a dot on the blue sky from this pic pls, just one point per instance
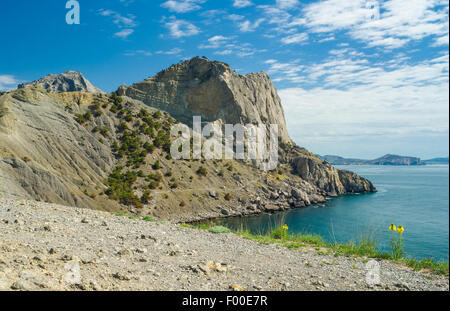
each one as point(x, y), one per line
point(357, 78)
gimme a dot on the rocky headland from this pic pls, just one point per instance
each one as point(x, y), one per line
point(64, 141)
point(388, 159)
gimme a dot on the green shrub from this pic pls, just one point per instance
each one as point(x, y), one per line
point(219, 229)
point(120, 187)
point(146, 197)
point(156, 165)
point(202, 171)
point(143, 113)
point(104, 130)
point(83, 118)
point(279, 233)
point(228, 197)
point(114, 108)
point(148, 219)
point(155, 177)
point(153, 185)
point(123, 127)
point(117, 100)
point(149, 147)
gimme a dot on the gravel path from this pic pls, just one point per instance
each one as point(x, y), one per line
point(51, 247)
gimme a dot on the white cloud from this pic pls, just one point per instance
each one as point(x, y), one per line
point(224, 52)
point(126, 24)
point(126, 2)
point(182, 6)
point(228, 46)
point(247, 26)
point(217, 42)
point(174, 51)
point(242, 3)
point(275, 15)
point(218, 39)
point(235, 17)
point(297, 38)
point(359, 102)
point(287, 4)
point(391, 24)
point(138, 52)
point(441, 41)
point(8, 82)
point(124, 33)
point(179, 28)
point(121, 21)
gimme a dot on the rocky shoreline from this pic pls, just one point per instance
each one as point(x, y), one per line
point(52, 247)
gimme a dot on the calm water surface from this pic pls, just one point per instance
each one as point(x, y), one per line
point(416, 197)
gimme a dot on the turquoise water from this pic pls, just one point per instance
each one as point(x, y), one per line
point(416, 197)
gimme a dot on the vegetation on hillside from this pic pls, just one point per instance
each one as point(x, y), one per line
point(139, 135)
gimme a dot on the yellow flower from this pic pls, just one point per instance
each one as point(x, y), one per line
point(400, 229)
point(392, 227)
point(285, 227)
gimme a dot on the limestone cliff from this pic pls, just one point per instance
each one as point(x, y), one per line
point(215, 92)
point(69, 81)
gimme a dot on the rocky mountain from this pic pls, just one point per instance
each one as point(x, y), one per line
point(69, 81)
point(388, 159)
point(111, 152)
point(210, 89)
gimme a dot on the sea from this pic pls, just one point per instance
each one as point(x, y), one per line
point(416, 197)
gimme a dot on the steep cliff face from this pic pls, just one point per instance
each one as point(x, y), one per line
point(69, 81)
point(323, 175)
point(199, 87)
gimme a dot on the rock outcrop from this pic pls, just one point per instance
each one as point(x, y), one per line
point(69, 81)
point(321, 174)
point(210, 89)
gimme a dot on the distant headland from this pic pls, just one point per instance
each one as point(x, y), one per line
point(389, 159)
